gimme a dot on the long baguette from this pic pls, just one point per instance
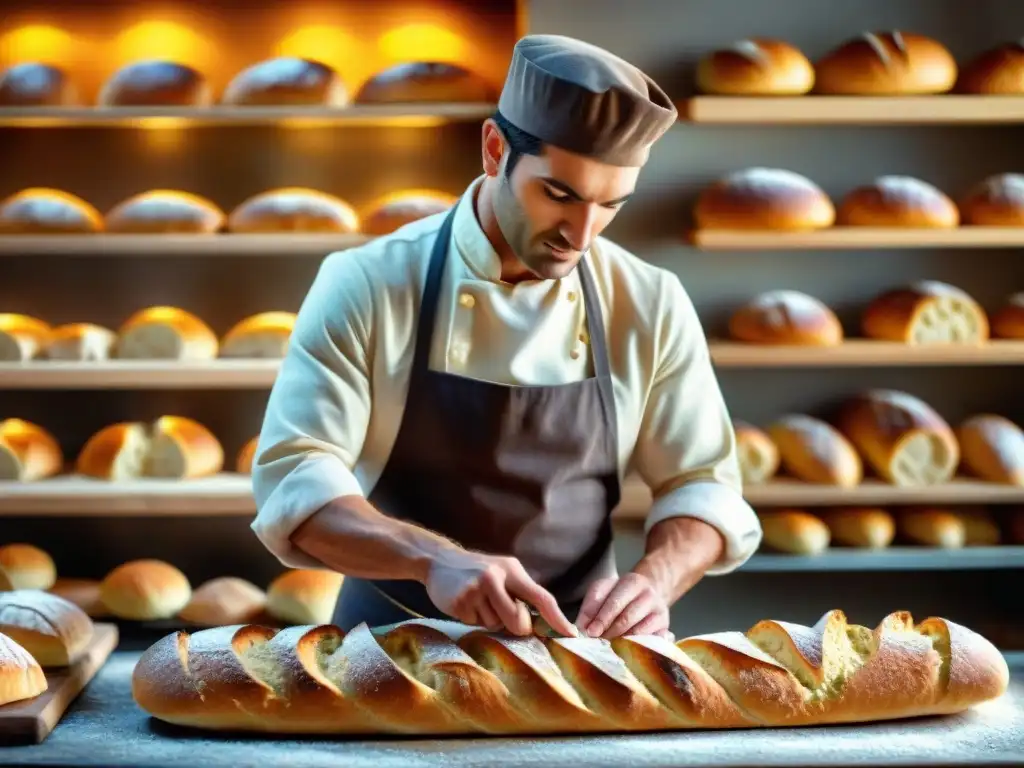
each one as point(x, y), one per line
point(437, 678)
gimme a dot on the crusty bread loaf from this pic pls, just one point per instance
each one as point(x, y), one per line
point(898, 201)
point(766, 199)
point(755, 67)
point(304, 595)
point(426, 81)
point(28, 452)
point(172, 447)
point(992, 448)
point(22, 337)
point(26, 566)
point(293, 209)
point(931, 527)
point(980, 527)
point(287, 81)
point(902, 437)
point(793, 531)
point(926, 312)
point(886, 64)
point(47, 211)
point(995, 201)
point(814, 451)
point(37, 84)
point(21, 677)
point(395, 211)
point(164, 211)
point(1008, 321)
point(156, 83)
point(264, 335)
point(85, 593)
point(437, 678)
point(786, 317)
point(80, 342)
point(145, 590)
point(246, 456)
point(998, 71)
point(54, 630)
point(863, 527)
point(166, 333)
point(224, 600)
point(758, 455)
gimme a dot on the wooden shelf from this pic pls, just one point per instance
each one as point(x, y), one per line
point(140, 374)
point(890, 559)
point(147, 246)
point(853, 110)
point(856, 238)
point(865, 352)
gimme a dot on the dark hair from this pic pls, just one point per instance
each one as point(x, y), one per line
point(519, 142)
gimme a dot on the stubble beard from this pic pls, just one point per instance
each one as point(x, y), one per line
point(530, 251)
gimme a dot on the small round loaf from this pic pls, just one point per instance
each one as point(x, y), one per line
point(794, 532)
point(246, 456)
point(224, 600)
point(425, 81)
point(926, 312)
point(54, 630)
point(755, 67)
point(293, 209)
point(786, 317)
point(992, 448)
point(898, 201)
point(164, 211)
point(85, 593)
point(264, 335)
point(998, 71)
point(28, 452)
point(758, 455)
point(995, 201)
point(903, 438)
point(287, 81)
point(145, 590)
point(46, 211)
point(116, 453)
point(156, 83)
point(862, 527)
point(980, 527)
point(80, 342)
point(764, 199)
point(22, 338)
point(931, 527)
point(174, 448)
point(21, 677)
point(304, 596)
point(1008, 320)
point(395, 211)
point(27, 566)
point(36, 84)
point(886, 64)
point(814, 451)
point(166, 333)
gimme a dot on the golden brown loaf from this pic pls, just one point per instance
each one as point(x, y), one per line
point(26, 566)
point(21, 677)
point(80, 342)
point(166, 333)
point(886, 64)
point(980, 528)
point(28, 452)
point(756, 67)
point(931, 527)
point(304, 596)
point(766, 199)
point(926, 312)
point(992, 448)
point(758, 455)
point(395, 211)
point(145, 590)
point(173, 447)
point(293, 209)
point(786, 317)
point(898, 201)
point(814, 451)
point(863, 527)
point(35, 84)
point(85, 593)
point(264, 335)
point(246, 456)
point(450, 678)
point(995, 201)
point(287, 81)
point(224, 600)
point(54, 630)
point(425, 81)
point(156, 83)
point(164, 211)
point(794, 531)
point(22, 338)
point(996, 71)
point(46, 211)
point(1008, 320)
point(902, 437)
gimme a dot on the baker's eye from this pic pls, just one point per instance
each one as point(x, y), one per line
point(556, 196)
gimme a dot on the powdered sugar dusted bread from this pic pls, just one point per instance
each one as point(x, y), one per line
point(293, 209)
point(886, 64)
point(755, 67)
point(164, 211)
point(995, 201)
point(46, 211)
point(992, 448)
point(814, 451)
point(21, 676)
point(926, 312)
point(764, 199)
point(786, 317)
point(54, 630)
point(898, 201)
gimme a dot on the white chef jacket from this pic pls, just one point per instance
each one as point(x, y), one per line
point(337, 403)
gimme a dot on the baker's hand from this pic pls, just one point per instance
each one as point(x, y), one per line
point(629, 605)
point(491, 591)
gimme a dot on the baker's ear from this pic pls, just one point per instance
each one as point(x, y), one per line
point(493, 147)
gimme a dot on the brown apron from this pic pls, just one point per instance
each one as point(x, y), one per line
point(526, 471)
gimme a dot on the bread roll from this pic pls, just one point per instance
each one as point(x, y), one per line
point(54, 630)
point(304, 596)
point(264, 335)
point(21, 677)
point(46, 211)
point(862, 527)
point(786, 317)
point(998, 71)
point(246, 456)
point(886, 64)
point(224, 600)
point(145, 590)
point(21, 337)
point(27, 566)
point(764, 199)
point(758, 455)
point(395, 211)
point(794, 532)
point(173, 447)
point(932, 527)
point(980, 528)
point(85, 593)
point(995, 201)
point(28, 452)
point(166, 333)
point(293, 209)
point(1008, 320)
point(164, 211)
point(903, 438)
point(36, 84)
point(426, 81)
point(156, 83)
point(757, 67)
point(898, 201)
point(81, 342)
point(926, 312)
point(814, 451)
point(992, 448)
point(287, 81)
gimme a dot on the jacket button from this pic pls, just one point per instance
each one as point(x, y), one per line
point(467, 300)
point(571, 296)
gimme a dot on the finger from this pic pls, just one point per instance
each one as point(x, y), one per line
point(654, 623)
point(523, 586)
point(622, 594)
point(488, 616)
point(592, 602)
point(642, 606)
point(514, 616)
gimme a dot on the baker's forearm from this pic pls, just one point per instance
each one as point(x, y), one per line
point(678, 553)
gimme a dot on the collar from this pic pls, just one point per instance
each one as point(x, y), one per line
point(470, 240)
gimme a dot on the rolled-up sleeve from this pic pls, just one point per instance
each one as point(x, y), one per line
point(318, 410)
point(686, 447)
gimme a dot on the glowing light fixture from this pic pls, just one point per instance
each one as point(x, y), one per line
point(327, 44)
point(163, 40)
point(36, 42)
point(422, 42)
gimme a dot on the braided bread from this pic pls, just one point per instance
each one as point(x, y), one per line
point(437, 678)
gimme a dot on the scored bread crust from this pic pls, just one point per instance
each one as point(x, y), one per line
point(926, 312)
point(886, 63)
point(453, 679)
point(755, 67)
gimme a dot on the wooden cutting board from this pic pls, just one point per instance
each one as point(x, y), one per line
point(32, 720)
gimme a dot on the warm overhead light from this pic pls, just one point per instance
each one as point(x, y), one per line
point(327, 44)
point(163, 40)
point(422, 42)
point(36, 42)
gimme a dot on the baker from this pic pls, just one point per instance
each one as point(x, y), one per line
point(460, 399)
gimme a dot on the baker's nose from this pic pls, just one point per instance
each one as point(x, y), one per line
point(578, 228)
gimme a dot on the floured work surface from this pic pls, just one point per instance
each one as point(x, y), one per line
point(105, 727)
point(32, 720)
